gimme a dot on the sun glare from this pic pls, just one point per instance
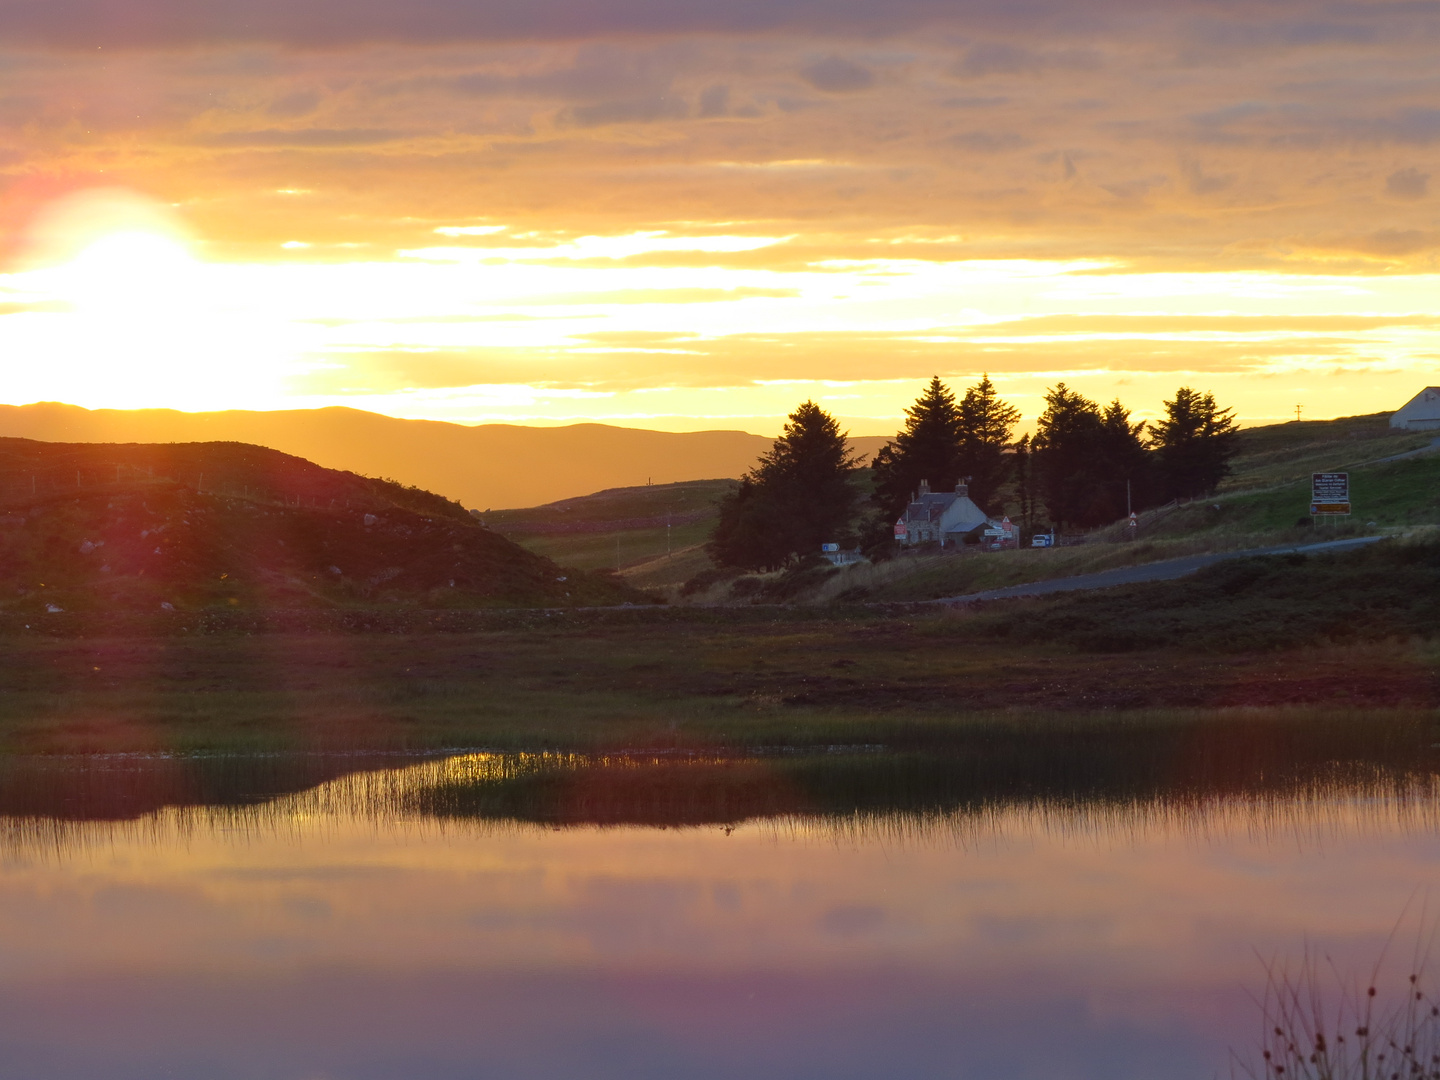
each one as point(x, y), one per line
point(131, 271)
point(135, 318)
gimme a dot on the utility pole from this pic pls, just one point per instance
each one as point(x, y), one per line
point(1297, 414)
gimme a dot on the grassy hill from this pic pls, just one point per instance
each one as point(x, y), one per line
point(103, 526)
point(1269, 492)
point(1290, 452)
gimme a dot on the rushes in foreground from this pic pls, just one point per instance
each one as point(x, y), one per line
point(1319, 1028)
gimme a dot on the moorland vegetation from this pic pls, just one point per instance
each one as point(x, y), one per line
point(1253, 639)
point(185, 527)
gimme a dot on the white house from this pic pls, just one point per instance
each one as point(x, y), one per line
point(943, 516)
point(1420, 412)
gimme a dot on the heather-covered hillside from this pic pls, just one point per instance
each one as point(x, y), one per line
point(141, 526)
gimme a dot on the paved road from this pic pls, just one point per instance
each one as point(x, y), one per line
point(1157, 571)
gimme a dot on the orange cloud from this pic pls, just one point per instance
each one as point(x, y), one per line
point(868, 146)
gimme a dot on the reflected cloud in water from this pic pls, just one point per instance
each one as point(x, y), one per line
point(785, 915)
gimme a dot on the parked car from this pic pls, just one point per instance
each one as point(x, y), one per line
point(1042, 540)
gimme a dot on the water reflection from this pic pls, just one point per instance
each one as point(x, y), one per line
point(839, 915)
point(1127, 779)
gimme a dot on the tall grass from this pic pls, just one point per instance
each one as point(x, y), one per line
point(1318, 1025)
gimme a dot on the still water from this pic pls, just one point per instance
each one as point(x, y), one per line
point(545, 916)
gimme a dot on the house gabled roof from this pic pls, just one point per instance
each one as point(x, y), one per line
point(1424, 406)
point(930, 506)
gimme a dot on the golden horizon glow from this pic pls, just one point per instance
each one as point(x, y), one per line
point(587, 328)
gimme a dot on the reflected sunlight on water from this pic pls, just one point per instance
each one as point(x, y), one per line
point(413, 918)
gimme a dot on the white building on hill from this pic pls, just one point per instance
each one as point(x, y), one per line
point(943, 516)
point(1420, 412)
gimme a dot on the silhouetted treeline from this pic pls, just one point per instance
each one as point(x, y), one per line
point(1092, 465)
point(1085, 466)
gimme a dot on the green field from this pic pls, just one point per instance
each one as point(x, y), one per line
point(652, 534)
point(622, 549)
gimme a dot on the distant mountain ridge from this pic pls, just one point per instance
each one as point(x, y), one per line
point(490, 465)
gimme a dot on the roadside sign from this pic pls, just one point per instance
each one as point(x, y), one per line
point(994, 532)
point(901, 532)
point(1134, 521)
point(829, 547)
point(1329, 493)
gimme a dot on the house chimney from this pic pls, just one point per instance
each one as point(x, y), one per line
point(963, 487)
point(924, 487)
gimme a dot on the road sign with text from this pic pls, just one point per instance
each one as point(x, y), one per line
point(1329, 493)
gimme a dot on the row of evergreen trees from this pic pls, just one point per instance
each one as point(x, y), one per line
point(1086, 465)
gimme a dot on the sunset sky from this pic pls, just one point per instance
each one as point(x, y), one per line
point(691, 215)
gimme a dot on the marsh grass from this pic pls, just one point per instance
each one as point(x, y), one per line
point(974, 775)
point(55, 807)
point(1090, 763)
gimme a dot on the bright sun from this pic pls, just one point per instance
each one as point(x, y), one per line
point(138, 320)
point(132, 269)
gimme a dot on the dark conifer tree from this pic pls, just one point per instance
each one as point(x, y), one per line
point(749, 533)
point(1025, 483)
point(1124, 465)
point(1193, 444)
point(986, 424)
point(799, 496)
point(927, 449)
point(1090, 464)
point(1065, 452)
